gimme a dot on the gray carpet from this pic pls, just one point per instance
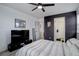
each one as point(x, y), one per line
point(7, 53)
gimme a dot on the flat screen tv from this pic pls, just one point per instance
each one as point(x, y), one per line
point(19, 36)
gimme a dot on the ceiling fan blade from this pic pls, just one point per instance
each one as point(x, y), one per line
point(48, 4)
point(33, 4)
point(34, 8)
point(43, 9)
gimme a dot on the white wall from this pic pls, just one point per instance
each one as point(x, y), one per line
point(78, 23)
point(7, 18)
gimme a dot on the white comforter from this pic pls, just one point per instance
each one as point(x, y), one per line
point(50, 48)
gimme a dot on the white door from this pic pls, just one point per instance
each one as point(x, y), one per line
point(59, 29)
point(37, 29)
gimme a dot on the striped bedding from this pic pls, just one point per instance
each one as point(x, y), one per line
point(50, 48)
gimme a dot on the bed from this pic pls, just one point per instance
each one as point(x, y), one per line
point(50, 48)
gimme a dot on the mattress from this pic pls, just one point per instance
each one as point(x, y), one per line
point(50, 48)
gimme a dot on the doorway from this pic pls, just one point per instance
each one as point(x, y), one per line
point(59, 29)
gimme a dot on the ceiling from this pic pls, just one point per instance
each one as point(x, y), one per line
point(52, 10)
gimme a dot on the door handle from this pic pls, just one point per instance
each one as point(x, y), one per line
point(57, 30)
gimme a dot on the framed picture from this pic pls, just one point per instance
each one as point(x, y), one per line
point(20, 23)
point(48, 24)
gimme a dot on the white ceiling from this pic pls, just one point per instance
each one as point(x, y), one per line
point(52, 10)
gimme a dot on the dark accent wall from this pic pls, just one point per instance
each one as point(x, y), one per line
point(70, 25)
point(49, 31)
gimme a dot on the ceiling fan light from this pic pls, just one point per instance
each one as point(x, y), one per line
point(39, 7)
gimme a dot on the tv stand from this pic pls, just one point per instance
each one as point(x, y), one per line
point(12, 46)
point(19, 38)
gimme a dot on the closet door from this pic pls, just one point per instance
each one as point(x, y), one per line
point(37, 30)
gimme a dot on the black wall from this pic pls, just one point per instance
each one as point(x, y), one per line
point(70, 25)
point(49, 31)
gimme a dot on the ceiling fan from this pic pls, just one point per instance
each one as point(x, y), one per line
point(41, 6)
